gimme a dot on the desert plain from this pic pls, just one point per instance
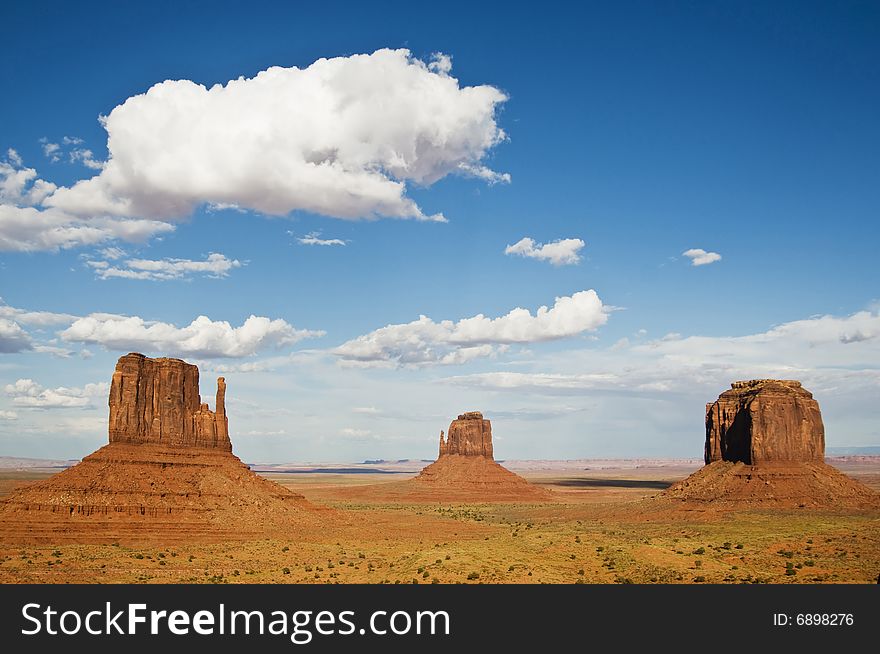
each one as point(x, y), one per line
point(591, 531)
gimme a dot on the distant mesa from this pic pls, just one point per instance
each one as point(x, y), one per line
point(168, 473)
point(465, 468)
point(765, 446)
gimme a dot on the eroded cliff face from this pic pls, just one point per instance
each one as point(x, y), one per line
point(469, 435)
point(765, 421)
point(157, 401)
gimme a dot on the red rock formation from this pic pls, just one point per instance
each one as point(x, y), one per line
point(765, 447)
point(469, 435)
point(764, 421)
point(466, 470)
point(157, 401)
point(168, 474)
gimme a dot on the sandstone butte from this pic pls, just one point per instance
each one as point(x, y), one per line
point(765, 446)
point(466, 469)
point(168, 473)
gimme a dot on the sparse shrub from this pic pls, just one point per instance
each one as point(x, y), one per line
point(809, 562)
point(473, 575)
point(285, 549)
point(699, 579)
point(790, 572)
point(739, 546)
point(700, 550)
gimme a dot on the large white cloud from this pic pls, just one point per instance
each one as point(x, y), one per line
point(201, 338)
point(341, 138)
point(563, 252)
point(425, 342)
point(29, 394)
point(215, 265)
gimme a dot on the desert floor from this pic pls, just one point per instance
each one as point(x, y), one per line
point(590, 534)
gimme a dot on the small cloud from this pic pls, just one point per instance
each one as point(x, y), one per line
point(563, 252)
point(216, 265)
point(313, 238)
point(51, 150)
point(8, 415)
point(699, 256)
point(14, 158)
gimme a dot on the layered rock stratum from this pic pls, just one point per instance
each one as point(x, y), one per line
point(168, 473)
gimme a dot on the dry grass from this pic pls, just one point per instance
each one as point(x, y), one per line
point(577, 538)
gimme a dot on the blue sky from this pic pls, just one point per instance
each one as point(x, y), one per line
point(643, 129)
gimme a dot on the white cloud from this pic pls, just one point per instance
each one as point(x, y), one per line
point(51, 150)
point(27, 393)
point(425, 342)
point(313, 238)
point(35, 318)
point(341, 138)
point(112, 253)
point(8, 415)
point(14, 158)
point(563, 252)
point(28, 229)
point(201, 338)
point(699, 257)
point(86, 158)
point(216, 265)
point(24, 227)
point(19, 185)
point(13, 338)
point(822, 352)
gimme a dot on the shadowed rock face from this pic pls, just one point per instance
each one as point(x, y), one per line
point(469, 435)
point(765, 421)
point(157, 401)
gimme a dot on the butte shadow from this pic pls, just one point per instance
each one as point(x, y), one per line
point(465, 471)
point(167, 475)
point(765, 449)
